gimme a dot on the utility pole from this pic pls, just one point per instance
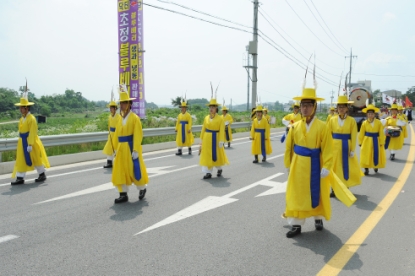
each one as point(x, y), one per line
point(331, 102)
point(350, 72)
point(253, 50)
point(247, 69)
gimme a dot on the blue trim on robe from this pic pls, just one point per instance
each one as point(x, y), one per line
point(24, 145)
point(136, 163)
point(345, 152)
point(112, 129)
point(214, 154)
point(314, 154)
point(262, 131)
point(374, 136)
point(184, 123)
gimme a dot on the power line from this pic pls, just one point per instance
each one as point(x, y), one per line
point(403, 76)
point(311, 30)
point(326, 24)
point(204, 13)
point(322, 26)
point(198, 18)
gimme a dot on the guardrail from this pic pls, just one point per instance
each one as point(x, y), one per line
point(89, 137)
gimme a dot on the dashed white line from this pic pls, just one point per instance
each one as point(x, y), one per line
point(8, 238)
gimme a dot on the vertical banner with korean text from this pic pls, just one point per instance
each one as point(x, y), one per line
point(130, 45)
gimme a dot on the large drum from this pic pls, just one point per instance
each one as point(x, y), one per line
point(394, 131)
point(359, 96)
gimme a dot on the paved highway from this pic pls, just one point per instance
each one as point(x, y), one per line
point(230, 225)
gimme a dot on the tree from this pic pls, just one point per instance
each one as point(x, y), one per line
point(176, 102)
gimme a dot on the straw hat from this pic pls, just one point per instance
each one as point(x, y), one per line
point(124, 95)
point(308, 94)
point(24, 101)
point(112, 102)
point(259, 108)
point(343, 100)
point(370, 107)
point(394, 106)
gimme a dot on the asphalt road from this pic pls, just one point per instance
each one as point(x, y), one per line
point(230, 225)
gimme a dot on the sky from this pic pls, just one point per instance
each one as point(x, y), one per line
point(58, 44)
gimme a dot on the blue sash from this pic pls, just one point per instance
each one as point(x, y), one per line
point(314, 154)
point(183, 123)
point(136, 163)
point(214, 155)
point(24, 144)
point(227, 132)
point(374, 136)
point(388, 139)
point(112, 129)
point(262, 131)
point(345, 152)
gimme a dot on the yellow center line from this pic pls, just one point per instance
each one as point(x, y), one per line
point(346, 252)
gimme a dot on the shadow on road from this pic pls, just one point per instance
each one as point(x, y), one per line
point(18, 189)
point(384, 177)
point(326, 244)
point(128, 210)
point(363, 203)
point(218, 182)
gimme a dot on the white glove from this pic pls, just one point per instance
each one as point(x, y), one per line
point(221, 144)
point(29, 148)
point(351, 154)
point(134, 155)
point(324, 173)
point(226, 123)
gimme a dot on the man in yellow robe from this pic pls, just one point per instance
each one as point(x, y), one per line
point(331, 114)
point(227, 118)
point(30, 153)
point(403, 117)
point(260, 136)
point(129, 167)
point(265, 115)
point(371, 141)
point(343, 129)
point(289, 119)
point(212, 142)
point(308, 159)
point(113, 119)
point(184, 136)
point(393, 131)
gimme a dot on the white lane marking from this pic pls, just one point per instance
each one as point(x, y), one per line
point(108, 186)
point(8, 238)
point(207, 204)
point(277, 188)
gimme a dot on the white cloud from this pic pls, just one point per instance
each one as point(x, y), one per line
point(388, 16)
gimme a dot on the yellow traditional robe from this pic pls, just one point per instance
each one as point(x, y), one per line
point(187, 123)
point(213, 129)
point(395, 143)
point(38, 155)
point(268, 117)
point(112, 125)
point(256, 147)
point(123, 171)
point(367, 146)
point(404, 128)
point(329, 117)
point(298, 196)
point(228, 118)
point(349, 127)
point(292, 118)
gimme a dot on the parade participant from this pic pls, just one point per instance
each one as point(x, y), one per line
point(289, 119)
point(308, 159)
point(227, 118)
point(113, 119)
point(184, 137)
point(403, 117)
point(408, 113)
point(344, 133)
point(212, 141)
point(393, 128)
point(30, 153)
point(371, 141)
point(265, 115)
point(260, 136)
point(129, 167)
point(331, 114)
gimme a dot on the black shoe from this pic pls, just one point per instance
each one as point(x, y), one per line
point(366, 171)
point(108, 165)
point(190, 151)
point(392, 156)
point(179, 152)
point(318, 223)
point(264, 159)
point(142, 194)
point(123, 198)
point(219, 173)
point(376, 170)
point(19, 180)
point(229, 144)
point(256, 159)
point(41, 178)
point(207, 176)
point(295, 230)
point(332, 194)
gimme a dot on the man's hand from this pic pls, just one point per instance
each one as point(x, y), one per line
point(29, 148)
point(351, 154)
point(221, 144)
point(134, 155)
point(324, 172)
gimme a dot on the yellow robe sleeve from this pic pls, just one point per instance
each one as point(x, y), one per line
point(326, 148)
point(177, 122)
point(362, 132)
point(138, 134)
point(253, 129)
point(190, 121)
point(289, 148)
point(31, 121)
point(202, 133)
point(353, 135)
point(221, 129)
